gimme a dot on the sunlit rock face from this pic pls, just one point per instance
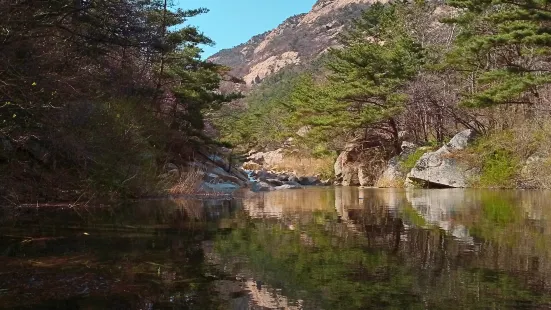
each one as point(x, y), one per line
point(298, 40)
point(440, 168)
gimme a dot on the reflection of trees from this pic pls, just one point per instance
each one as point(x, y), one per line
point(342, 249)
point(378, 252)
point(146, 255)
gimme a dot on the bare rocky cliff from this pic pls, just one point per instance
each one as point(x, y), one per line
point(299, 39)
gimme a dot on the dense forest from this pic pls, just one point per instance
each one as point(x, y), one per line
point(418, 71)
point(96, 97)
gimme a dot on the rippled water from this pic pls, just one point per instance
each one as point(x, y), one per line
point(332, 248)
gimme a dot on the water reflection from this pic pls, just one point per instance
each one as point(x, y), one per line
point(341, 248)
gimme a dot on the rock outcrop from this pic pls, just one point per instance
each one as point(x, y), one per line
point(266, 173)
point(358, 165)
point(346, 169)
point(440, 168)
point(298, 40)
point(266, 159)
point(394, 175)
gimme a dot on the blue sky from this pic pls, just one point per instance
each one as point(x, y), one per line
point(231, 22)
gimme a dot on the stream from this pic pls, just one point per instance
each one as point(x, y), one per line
point(314, 248)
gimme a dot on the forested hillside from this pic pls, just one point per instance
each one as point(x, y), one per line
point(419, 72)
point(96, 97)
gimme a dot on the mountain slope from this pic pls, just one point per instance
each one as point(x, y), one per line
point(298, 40)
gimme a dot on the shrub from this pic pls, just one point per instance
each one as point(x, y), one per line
point(308, 165)
point(499, 169)
point(188, 182)
point(409, 162)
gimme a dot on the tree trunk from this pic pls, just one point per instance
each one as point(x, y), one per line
point(395, 135)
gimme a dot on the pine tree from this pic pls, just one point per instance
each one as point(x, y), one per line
point(503, 49)
point(367, 76)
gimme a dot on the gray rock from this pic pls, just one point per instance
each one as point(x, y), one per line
point(408, 146)
point(283, 177)
point(293, 179)
point(264, 175)
point(350, 175)
point(364, 177)
point(267, 159)
point(274, 182)
point(303, 131)
point(261, 187)
point(292, 183)
point(225, 176)
point(288, 186)
point(339, 165)
point(346, 170)
point(441, 169)
point(393, 176)
point(308, 181)
point(461, 140)
point(222, 187)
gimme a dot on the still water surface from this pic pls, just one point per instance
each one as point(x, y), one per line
point(319, 248)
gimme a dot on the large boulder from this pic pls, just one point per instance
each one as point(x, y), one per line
point(262, 187)
point(346, 169)
point(394, 175)
point(308, 181)
point(274, 182)
point(267, 159)
point(440, 169)
point(366, 176)
point(218, 179)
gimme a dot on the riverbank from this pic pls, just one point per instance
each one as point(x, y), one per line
point(518, 157)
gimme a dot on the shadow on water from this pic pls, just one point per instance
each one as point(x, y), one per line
point(318, 248)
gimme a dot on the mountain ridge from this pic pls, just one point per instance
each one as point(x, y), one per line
point(297, 40)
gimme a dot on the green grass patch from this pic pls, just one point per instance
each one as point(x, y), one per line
point(499, 158)
point(499, 169)
point(409, 162)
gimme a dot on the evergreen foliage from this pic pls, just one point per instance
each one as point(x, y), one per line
point(364, 89)
point(503, 50)
point(100, 94)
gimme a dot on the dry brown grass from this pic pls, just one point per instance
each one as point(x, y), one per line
point(188, 182)
point(305, 165)
point(518, 156)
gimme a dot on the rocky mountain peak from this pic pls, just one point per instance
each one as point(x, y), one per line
point(299, 39)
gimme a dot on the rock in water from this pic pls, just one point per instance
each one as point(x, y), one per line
point(261, 187)
point(439, 168)
point(308, 181)
point(274, 182)
point(288, 186)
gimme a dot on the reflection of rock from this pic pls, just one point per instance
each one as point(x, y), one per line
point(345, 198)
point(278, 203)
point(440, 169)
point(439, 206)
